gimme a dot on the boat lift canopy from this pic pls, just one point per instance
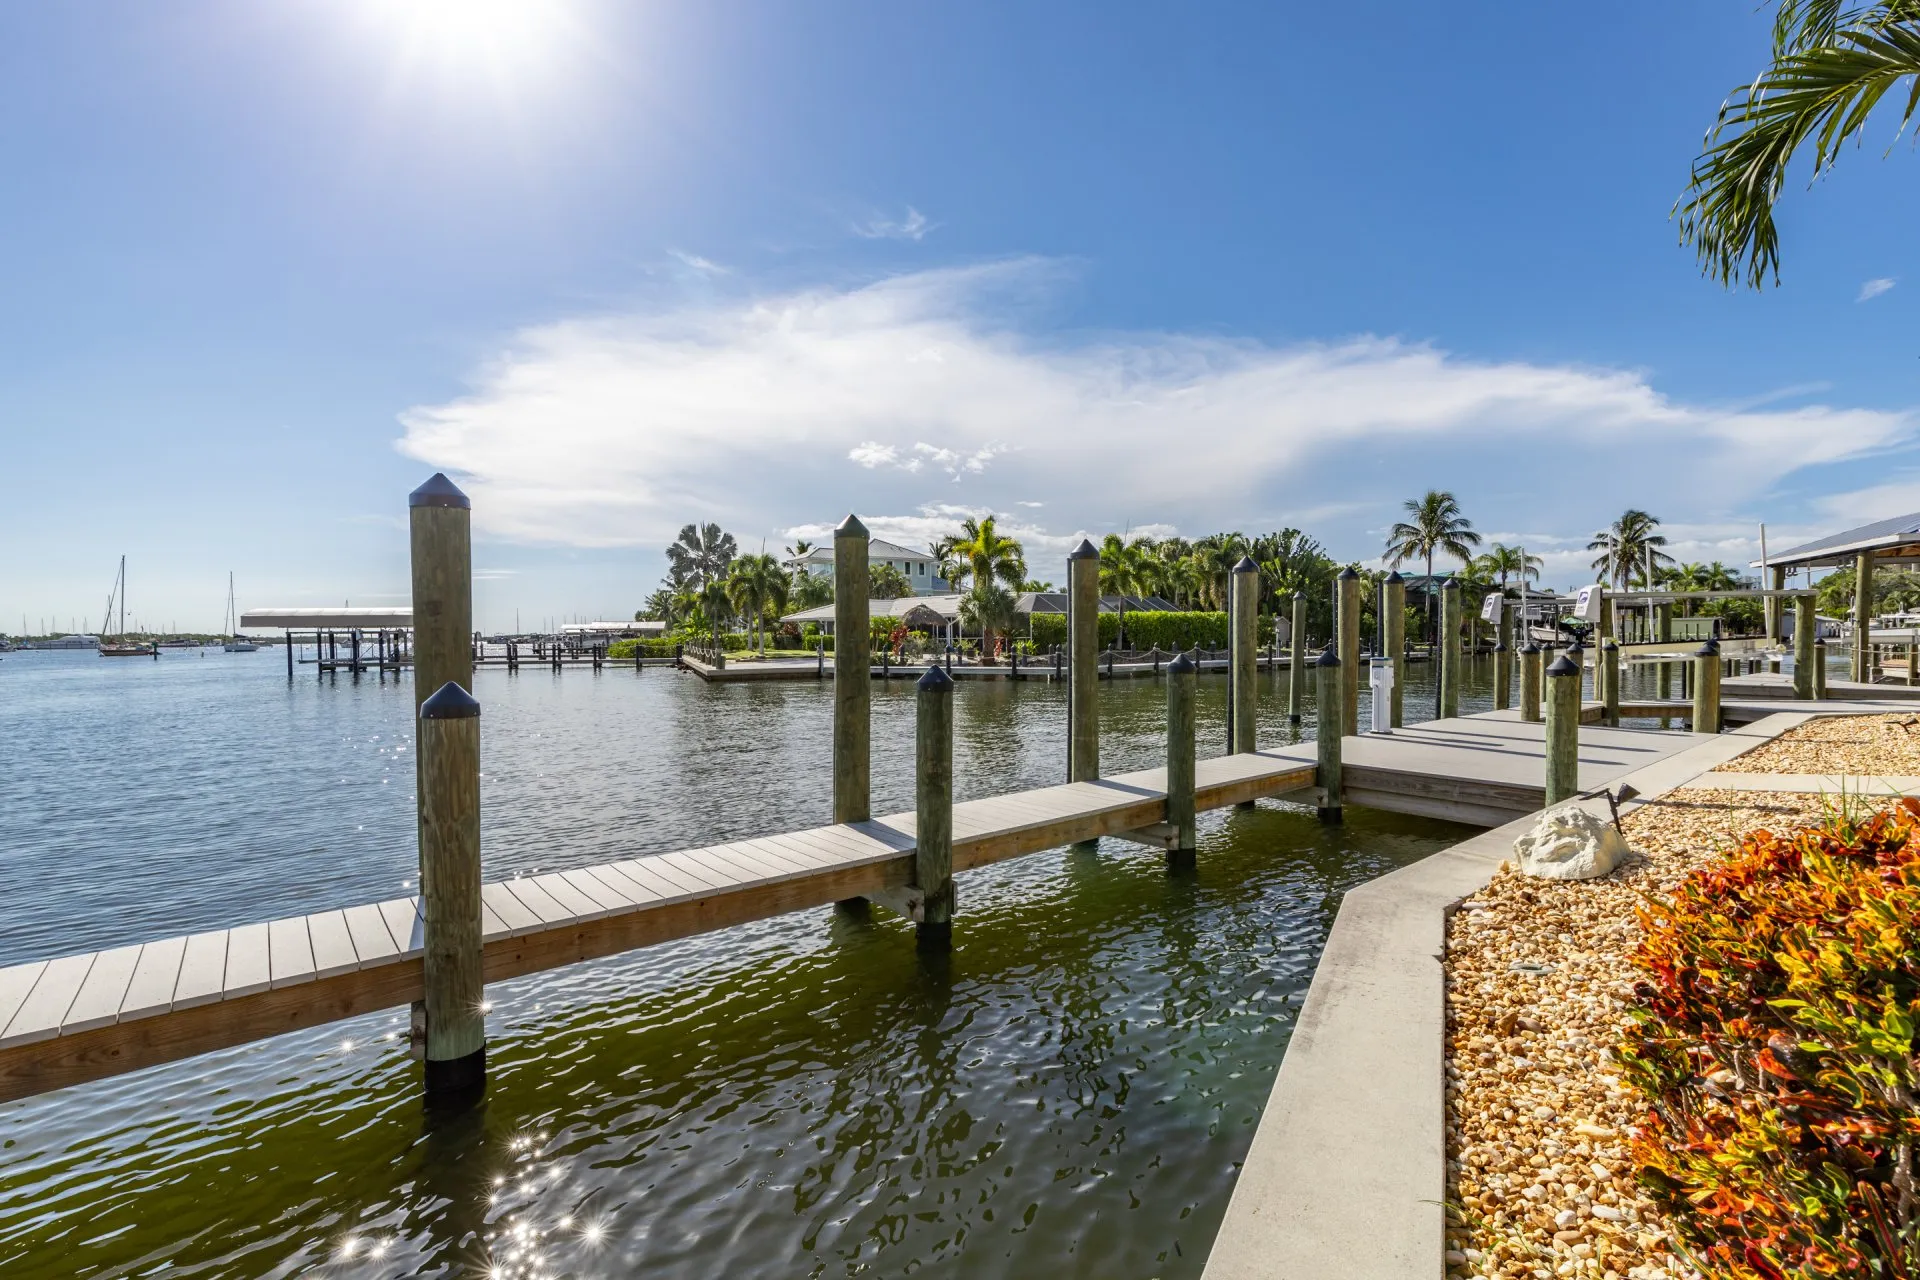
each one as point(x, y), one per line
point(330, 619)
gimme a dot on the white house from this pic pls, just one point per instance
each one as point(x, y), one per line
point(920, 568)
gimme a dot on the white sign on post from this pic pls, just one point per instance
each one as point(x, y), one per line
point(1491, 606)
point(1587, 606)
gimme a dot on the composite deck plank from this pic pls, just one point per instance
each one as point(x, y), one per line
point(763, 860)
point(249, 965)
point(657, 869)
point(154, 978)
point(289, 951)
point(372, 941)
point(848, 847)
point(332, 944)
point(577, 905)
point(805, 844)
point(538, 901)
point(46, 1005)
point(627, 887)
point(812, 856)
point(715, 875)
point(16, 983)
point(203, 970)
point(611, 900)
point(97, 1003)
point(403, 922)
point(509, 910)
point(647, 875)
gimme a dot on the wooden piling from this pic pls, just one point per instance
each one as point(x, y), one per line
point(1706, 688)
point(1819, 668)
point(1348, 596)
point(1663, 634)
point(1083, 656)
point(1530, 691)
point(1244, 684)
point(1502, 676)
point(1393, 628)
point(1608, 674)
point(1181, 760)
point(1862, 663)
point(1563, 730)
point(1776, 581)
point(852, 676)
point(1449, 649)
point(933, 809)
point(440, 520)
point(1297, 660)
point(449, 809)
point(1331, 688)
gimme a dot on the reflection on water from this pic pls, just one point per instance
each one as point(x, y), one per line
point(1067, 1094)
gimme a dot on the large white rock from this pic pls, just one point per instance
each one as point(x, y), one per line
point(1570, 844)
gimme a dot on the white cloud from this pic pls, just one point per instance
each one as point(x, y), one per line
point(778, 410)
point(705, 266)
point(1874, 288)
point(912, 227)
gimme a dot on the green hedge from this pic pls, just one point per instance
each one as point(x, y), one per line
point(1146, 630)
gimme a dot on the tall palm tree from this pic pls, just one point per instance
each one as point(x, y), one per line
point(1627, 546)
point(717, 607)
point(1502, 562)
point(1831, 67)
point(700, 555)
point(756, 585)
point(1436, 526)
point(990, 607)
point(990, 556)
point(799, 548)
point(1214, 556)
point(948, 565)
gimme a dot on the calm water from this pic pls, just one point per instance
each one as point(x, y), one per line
point(1069, 1094)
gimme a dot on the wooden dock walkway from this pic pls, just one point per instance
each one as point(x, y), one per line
point(83, 1017)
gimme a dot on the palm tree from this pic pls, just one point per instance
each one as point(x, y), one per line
point(1831, 66)
point(799, 548)
point(989, 556)
point(1126, 569)
point(700, 555)
point(716, 605)
point(990, 607)
point(1214, 556)
point(1502, 562)
point(1436, 525)
point(1627, 547)
point(756, 584)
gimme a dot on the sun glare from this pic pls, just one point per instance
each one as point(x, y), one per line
point(500, 38)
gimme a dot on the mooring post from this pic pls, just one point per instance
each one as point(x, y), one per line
point(1393, 636)
point(1242, 642)
point(1349, 655)
point(852, 676)
point(449, 809)
point(1502, 676)
point(1181, 686)
point(933, 808)
point(1610, 680)
point(1083, 658)
point(440, 542)
point(1563, 730)
point(1296, 660)
point(1863, 617)
point(1819, 667)
point(1449, 649)
point(1330, 687)
point(1706, 688)
point(1530, 665)
point(1663, 634)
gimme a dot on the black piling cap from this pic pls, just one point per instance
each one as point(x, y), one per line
point(1530, 647)
point(1084, 551)
point(1327, 658)
point(935, 681)
point(1181, 665)
point(450, 702)
point(1246, 565)
point(1450, 585)
point(1711, 649)
point(1610, 645)
point(1395, 577)
point(439, 492)
point(1500, 646)
point(1563, 666)
point(1347, 574)
point(1299, 595)
point(850, 528)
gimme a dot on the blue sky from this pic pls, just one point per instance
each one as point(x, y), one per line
point(265, 267)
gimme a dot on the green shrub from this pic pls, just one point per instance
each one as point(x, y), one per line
point(1145, 630)
point(622, 650)
point(1776, 1043)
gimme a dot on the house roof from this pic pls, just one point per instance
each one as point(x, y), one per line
point(947, 606)
point(1895, 539)
point(338, 619)
point(877, 549)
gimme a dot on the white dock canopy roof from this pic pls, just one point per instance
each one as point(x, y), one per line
point(1894, 540)
point(328, 619)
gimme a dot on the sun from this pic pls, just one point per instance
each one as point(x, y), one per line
point(504, 39)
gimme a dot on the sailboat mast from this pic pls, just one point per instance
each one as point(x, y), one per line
point(123, 596)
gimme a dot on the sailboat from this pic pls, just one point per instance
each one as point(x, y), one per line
point(121, 648)
point(236, 643)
